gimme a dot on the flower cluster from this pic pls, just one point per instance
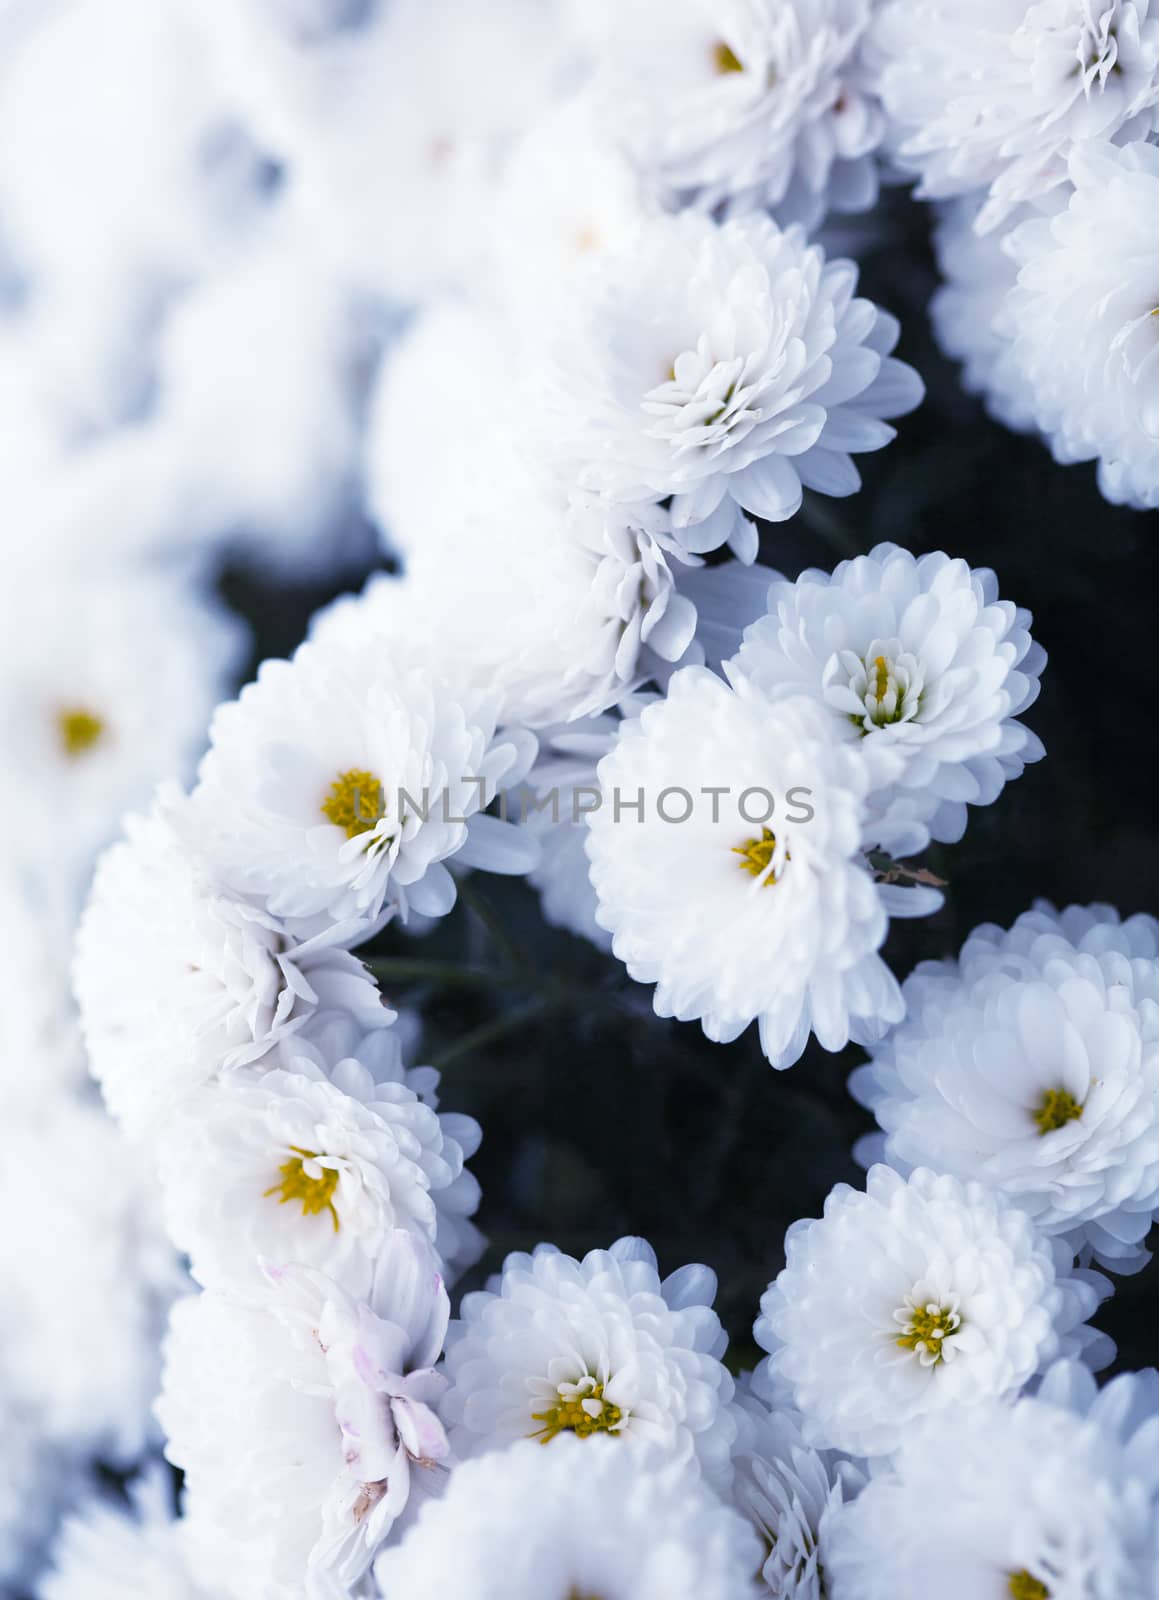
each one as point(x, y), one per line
point(531, 303)
point(1032, 122)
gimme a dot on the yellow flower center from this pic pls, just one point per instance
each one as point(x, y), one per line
point(756, 854)
point(1056, 1108)
point(315, 1195)
point(725, 59)
point(581, 1410)
point(79, 730)
point(1021, 1586)
point(356, 803)
point(925, 1328)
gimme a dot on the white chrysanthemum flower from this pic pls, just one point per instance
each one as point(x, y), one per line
point(724, 366)
point(108, 686)
point(1032, 1065)
point(89, 1269)
point(337, 785)
point(107, 1551)
point(416, 496)
point(581, 1521)
point(408, 100)
point(256, 419)
point(569, 194)
point(316, 1159)
point(788, 1491)
point(179, 981)
point(916, 656)
point(303, 1422)
point(970, 311)
point(726, 858)
point(1053, 1498)
point(115, 129)
point(1095, 388)
point(918, 1295)
point(601, 1345)
point(750, 102)
point(1000, 94)
point(488, 532)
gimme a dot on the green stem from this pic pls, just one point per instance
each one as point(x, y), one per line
point(488, 1032)
point(831, 528)
point(482, 908)
point(447, 974)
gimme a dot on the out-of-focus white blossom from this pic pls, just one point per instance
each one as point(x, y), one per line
point(582, 1519)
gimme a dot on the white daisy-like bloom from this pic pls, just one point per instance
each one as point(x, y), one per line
point(569, 194)
point(749, 102)
point(258, 377)
point(914, 656)
point(1031, 1064)
point(109, 1551)
point(999, 95)
point(115, 130)
point(317, 1159)
point(417, 102)
point(416, 501)
point(1096, 393)
point(916, 1296)
point(489, 530)
point(179, 980)
point(1053, 1498)
point(338, 784)
point(598, 1346)
point(727, 366)
point(303, 1422)
point(582, 1521)
point(726, 858)
point(108, 686)
point(970, 311)
point(89, 1267)
point(788, 1491)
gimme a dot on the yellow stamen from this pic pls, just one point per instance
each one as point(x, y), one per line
point(1021, 1586)
point(756, 854)
point(1056, 1108)
point(569, 1416)
point(882, 684)
point(355, 803)
point(927, 1328)
point(314, 1194)
point(79, 730)
point(725, 60)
